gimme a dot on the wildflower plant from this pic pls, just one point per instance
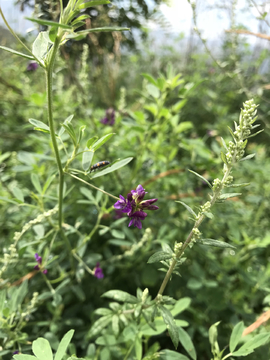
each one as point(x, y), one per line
point(130, 319)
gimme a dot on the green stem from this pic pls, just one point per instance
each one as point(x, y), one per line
point(49, 72)
point(16, 37)
point(85, 182)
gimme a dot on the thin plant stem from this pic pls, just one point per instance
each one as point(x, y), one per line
point(49, 71)
point(86, 183)
point(16, 37)
point(83, 263)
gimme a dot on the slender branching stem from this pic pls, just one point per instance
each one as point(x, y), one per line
point(86, 183)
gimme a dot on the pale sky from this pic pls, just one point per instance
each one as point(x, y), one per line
point(212, 22)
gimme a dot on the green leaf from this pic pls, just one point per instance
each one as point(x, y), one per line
point(47, 183)
point(138, 348)
point(228, 195)
point(63, 345)
point(252, 344)
point(187, 343)
point(53, 33)
point(118, 242)
point(41, 45)
point(101, 141)
point(87, 158)
point(149, 78)
point(117, 234)
point(67, 121)
point(115, 166)
point(236, 335)
point(99, 325)
point(158, 256)
point(39, 124)
point(231, 132)
point(178, 106)
point(103, 311)
point(188, 208)
point(18, 194)
point(247, 157)
point(36, 183)
point(180, 306)
point(93, 3)
point(80, 19)
point(48, 23)
point(120, 295)
point(102, 29)
point(2, 300)
point(224, 144)
point(29, 57)
point(257, 133)
point(223, 157)
point(91, 141)
point(22, 292)
point(153, 91)
point(216, 243)
point(8, 200)
point(171, 355)
point(213, 334)
point(70, 130)
point(238, 185)
point(42, 349)
point(24, 357)
point(115, 324)
point(201, 177)
point(171, 326)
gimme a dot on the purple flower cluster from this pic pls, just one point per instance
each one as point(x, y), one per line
point(134, 206)
point(39, 262)
point(32, 66)
point(109, 119)
point(98, 272)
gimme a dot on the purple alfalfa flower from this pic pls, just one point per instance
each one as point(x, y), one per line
point(39, 262)
point(109, 119)
point(15, 352)
point(136, 219)
point(123, 205)
point(134, 206)
point(98, 272)
point(32, 66)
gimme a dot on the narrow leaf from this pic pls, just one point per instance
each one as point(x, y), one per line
point(29, 57)
point(188, 208)
point(238, 185)
point(93, 3)
point(158, 256)
point(115, 166)
point(216, 243)
point(228, 196)
point(41, 45)
point(120, 295)
point(80, 19)
point(18, 194)
point(101, 141)
point(39, 124)
point(171, 326)
point(87, 159)
point(67, 121)
point(250, 156)
point(231, 131)
point(99, 325)
point(223, 157)
point(180, 306)
point(63, 345)
point(171, 355)
point(252, 344)
point(48, 23)
point(149, 78)
point(187, 343)
point(224, 144)
point(24, 357)
point(91, 141)
point(36, 182)
point(252, 135)
point(201, 177)
point(236, 335)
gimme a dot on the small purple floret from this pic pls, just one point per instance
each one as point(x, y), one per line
point(39, 262)
point(16, 352)
point(109, 119)
point(98, 272)
point(123, 205)
point(134, 206)
point(32, 66)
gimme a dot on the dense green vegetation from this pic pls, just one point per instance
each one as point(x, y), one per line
point(168, 111)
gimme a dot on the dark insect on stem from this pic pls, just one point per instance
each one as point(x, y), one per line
point(99, 165)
